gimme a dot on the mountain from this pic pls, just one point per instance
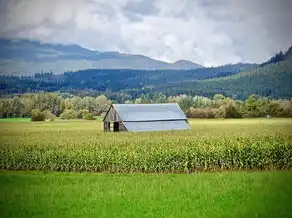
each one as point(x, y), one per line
point(183, 64)
point(113, 80)
point(25, 57)
point(270, 79)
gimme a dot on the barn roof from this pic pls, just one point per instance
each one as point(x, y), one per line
point(156, 126)
point(149, 112)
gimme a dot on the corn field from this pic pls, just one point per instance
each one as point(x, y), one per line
point(82, 146)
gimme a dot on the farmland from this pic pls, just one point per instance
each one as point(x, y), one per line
point(250, 160)
point(212, 145)
point(202, 195)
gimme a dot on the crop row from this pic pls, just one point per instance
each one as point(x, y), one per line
point(106, 154)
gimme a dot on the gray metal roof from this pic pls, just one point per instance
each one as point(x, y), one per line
point(149, 112)
point(156, 126)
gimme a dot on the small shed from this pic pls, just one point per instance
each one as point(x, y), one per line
point(144, 117)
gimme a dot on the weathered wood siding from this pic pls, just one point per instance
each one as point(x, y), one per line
point(109, 127)
point(112, 116)
point(122, 128)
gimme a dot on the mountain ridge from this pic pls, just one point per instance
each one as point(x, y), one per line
point(24, 57)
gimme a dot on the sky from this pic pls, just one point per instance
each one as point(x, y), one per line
point(208, 32)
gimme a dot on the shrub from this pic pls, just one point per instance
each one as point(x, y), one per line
point(37, 115)
point(68, 115)
point(88, 116)
point(49, 115)
point(220, 112)
point(200, 113)
point(231, 111)
point(80, 113)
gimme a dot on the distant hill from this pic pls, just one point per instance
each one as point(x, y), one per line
point(25, 57)
point(113, 80)
point(271, 80)
point(183, 64)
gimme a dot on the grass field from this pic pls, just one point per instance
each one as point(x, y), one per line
point(6, 120)
point(225, 194)
point(239, 148)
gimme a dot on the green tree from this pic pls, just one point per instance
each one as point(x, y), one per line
point(68, 114)
point(37, 115)
point(49, 115)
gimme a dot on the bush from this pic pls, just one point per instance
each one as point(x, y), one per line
point(81, 113)
point(88, 116)
point(68, 115)
point(220, 112)
point(231, 111)
point(200, 113)
point(37, 115)
point(49, 115)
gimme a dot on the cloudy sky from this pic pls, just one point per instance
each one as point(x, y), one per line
point(209, 32)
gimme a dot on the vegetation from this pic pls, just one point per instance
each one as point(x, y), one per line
point(107, 81)
point(72, 107)
point(49, 115)
point(37, 115)
point(32, 194)
point(270, 80)
point(67, 146)
point(21, 106)
point(68, 114)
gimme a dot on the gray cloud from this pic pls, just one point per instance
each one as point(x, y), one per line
point(208, 32)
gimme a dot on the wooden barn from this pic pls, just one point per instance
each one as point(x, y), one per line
point(144, 117)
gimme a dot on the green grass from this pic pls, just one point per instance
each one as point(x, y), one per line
point(15, 119)
point(212, 145)
point(228, 194)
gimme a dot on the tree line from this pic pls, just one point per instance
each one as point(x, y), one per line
point(46, 105)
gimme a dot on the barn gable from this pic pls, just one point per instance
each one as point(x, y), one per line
point(145, 117)
point(112, 115)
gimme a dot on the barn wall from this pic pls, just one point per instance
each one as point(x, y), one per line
point(122, 127)
point(106, 126)
point(112, 116)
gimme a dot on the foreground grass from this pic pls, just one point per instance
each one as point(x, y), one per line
point(212, 145)
point(228, 194)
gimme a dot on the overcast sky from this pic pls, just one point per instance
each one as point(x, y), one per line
point(209, 32)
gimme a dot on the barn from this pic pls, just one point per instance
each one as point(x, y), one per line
point(144, 117)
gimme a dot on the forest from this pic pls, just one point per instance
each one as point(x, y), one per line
point(48, 105)
point(271, 80)
point(111, 81)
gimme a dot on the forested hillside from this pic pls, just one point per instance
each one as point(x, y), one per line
point(273, 80)
point(106, 80)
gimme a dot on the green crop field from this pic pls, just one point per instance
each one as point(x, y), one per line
point(221, 168)
point(211, 145)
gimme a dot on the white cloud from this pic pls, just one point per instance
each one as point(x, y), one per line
point(207, 32)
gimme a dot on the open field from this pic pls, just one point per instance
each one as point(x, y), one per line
point(212, 145)
point(5, 120)
point(202, 195)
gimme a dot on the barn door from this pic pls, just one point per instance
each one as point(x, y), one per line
point(116, 126)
